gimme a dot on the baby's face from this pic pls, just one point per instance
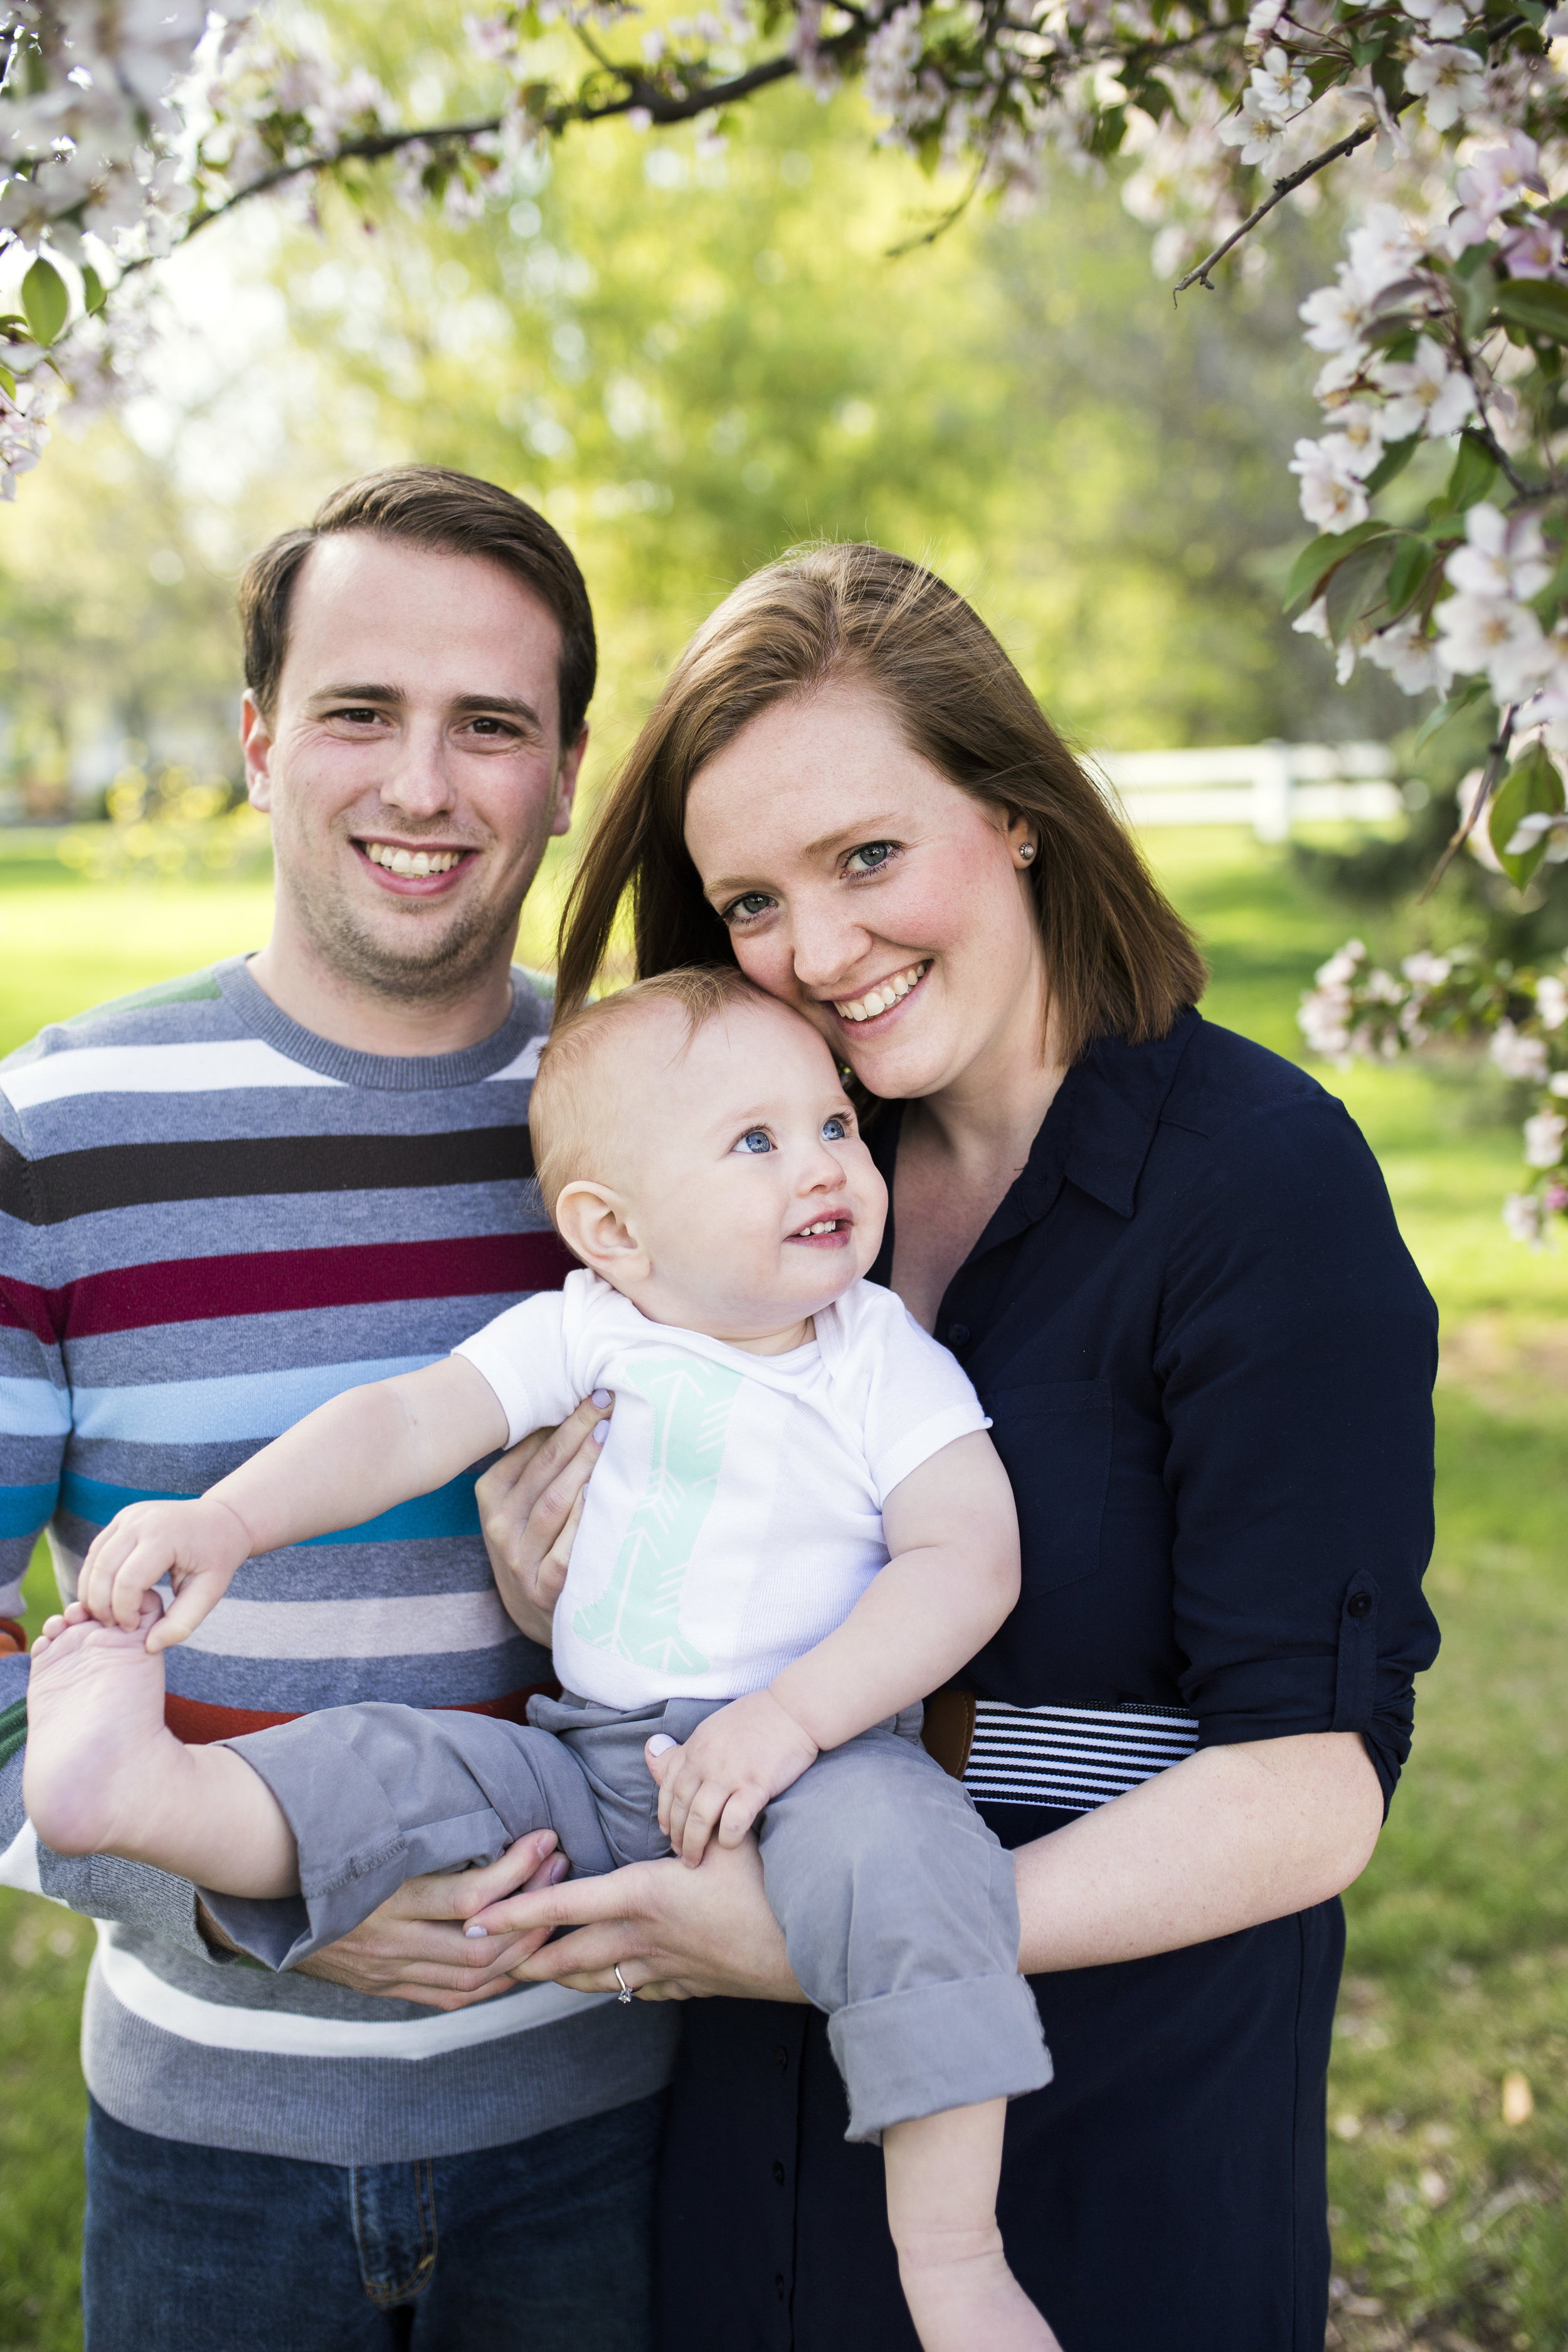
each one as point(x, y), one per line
point(746, 1177)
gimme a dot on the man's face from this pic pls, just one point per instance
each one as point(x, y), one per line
point(412, 766)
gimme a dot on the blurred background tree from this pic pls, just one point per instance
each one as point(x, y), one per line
point(692, 360)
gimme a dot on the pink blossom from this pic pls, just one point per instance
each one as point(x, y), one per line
point(1533, 251)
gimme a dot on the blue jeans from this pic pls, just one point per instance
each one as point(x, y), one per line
point(547, 2244)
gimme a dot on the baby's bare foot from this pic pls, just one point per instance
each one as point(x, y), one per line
point(95, 1727)
point(963, 2298)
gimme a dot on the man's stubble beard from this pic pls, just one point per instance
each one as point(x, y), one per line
point(441, 965)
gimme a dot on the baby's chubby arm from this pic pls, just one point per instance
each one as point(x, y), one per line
point(359, 1455)
point(952, 1531)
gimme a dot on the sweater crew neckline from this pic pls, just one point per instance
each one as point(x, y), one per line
point(385, 1073)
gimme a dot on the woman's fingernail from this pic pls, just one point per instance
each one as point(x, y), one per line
point(603, 1399)
point(474, 1928)
point(558, 1871)
point(659, 1742)
point(601, 1431)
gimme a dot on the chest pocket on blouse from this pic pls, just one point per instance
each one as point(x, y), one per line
point(1054, 1444)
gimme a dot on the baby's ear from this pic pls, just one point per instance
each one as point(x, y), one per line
point(593, 1223)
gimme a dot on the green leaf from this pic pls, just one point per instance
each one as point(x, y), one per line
point(1409, 573)
point(1358, 585)
point(1532, 787)
point(1537, 304)
point(1317, 559)
point(45, 300)
point(1460, 700)
point(1110, 130)
point(1477, 293)
point(1394, 460)
point(94, 292)
point(1475, 471)
point(9, 382)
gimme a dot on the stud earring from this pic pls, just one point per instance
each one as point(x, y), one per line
point(1025, 851)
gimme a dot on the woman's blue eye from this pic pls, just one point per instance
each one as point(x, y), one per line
point(874, 854)
point(756, 1139)
point(749, 905)
point(834, 1130)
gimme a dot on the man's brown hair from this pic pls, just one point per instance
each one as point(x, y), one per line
point(1119, 959)
point(456, 514)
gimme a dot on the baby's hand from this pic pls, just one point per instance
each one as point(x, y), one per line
point(197, 1545)
point(725, 1773)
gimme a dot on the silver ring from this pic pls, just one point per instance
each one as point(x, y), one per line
point(625, 1993)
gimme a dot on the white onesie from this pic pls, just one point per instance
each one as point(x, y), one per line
point(736, 1515)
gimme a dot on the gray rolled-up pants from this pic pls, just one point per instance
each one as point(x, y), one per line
point(897, 1904)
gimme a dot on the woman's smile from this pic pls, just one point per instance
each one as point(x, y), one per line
point(875, 1003)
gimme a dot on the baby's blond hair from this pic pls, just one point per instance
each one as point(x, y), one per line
point(572, 1115)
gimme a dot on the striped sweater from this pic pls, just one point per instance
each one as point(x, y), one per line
point(211, 1220)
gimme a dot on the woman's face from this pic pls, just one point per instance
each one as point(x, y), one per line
point(860, 886)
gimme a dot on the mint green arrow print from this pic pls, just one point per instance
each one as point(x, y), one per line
point(637, 1617)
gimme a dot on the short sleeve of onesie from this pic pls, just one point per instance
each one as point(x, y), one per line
point(525, 1356)
point(913, 1397)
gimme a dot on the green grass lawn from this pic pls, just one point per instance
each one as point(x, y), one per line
point(1450, 2225)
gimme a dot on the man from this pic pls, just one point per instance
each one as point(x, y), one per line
point(221, 1202)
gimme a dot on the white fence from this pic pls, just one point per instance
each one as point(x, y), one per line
point(1269, 786)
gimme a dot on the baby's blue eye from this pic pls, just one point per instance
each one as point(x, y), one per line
point(834, 1130)
point(756, 1139)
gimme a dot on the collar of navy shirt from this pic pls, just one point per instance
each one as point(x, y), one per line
point(1096, 1135)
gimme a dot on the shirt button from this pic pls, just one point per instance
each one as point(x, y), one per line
point(781, 2058)
point(957, 1333)
point(778, 2173)
point(1360, 1605)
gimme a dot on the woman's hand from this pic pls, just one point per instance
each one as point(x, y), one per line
point(414, 1948)
point(678, 1934)
point(529, 1503)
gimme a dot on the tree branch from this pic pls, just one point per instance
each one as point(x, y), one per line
point(640, 93)
point(1282, 188)
point(1491, 776)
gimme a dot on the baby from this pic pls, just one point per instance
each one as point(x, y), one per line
point(797, 1527)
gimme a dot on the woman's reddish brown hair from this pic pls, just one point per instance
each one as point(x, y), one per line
point(1120, 961)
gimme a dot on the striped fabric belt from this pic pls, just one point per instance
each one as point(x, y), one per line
point(1071, 1757)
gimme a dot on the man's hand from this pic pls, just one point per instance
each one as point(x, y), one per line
point(414, 1948)
point(726, 1772)
point(677, 1935)
point(529, 1503)
point(197, 1545)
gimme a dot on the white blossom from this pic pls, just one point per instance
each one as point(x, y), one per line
point(1332, 496)
point(1411, 657)
point(1444, 19)
point(1493, 634)
point(1521, 1213)
point(1518, 1057)
point(1451, 81)
point(1381, 251)
point(1504, 556)
point(1551, 1009)
point(1336, 317)
point(1425, 970)
point(1426, 394)
point(1357, 437)
point(1544, 1139)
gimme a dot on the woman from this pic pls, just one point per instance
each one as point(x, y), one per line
point(1168, 1262)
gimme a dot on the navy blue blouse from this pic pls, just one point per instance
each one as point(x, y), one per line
point(1208, 1360)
